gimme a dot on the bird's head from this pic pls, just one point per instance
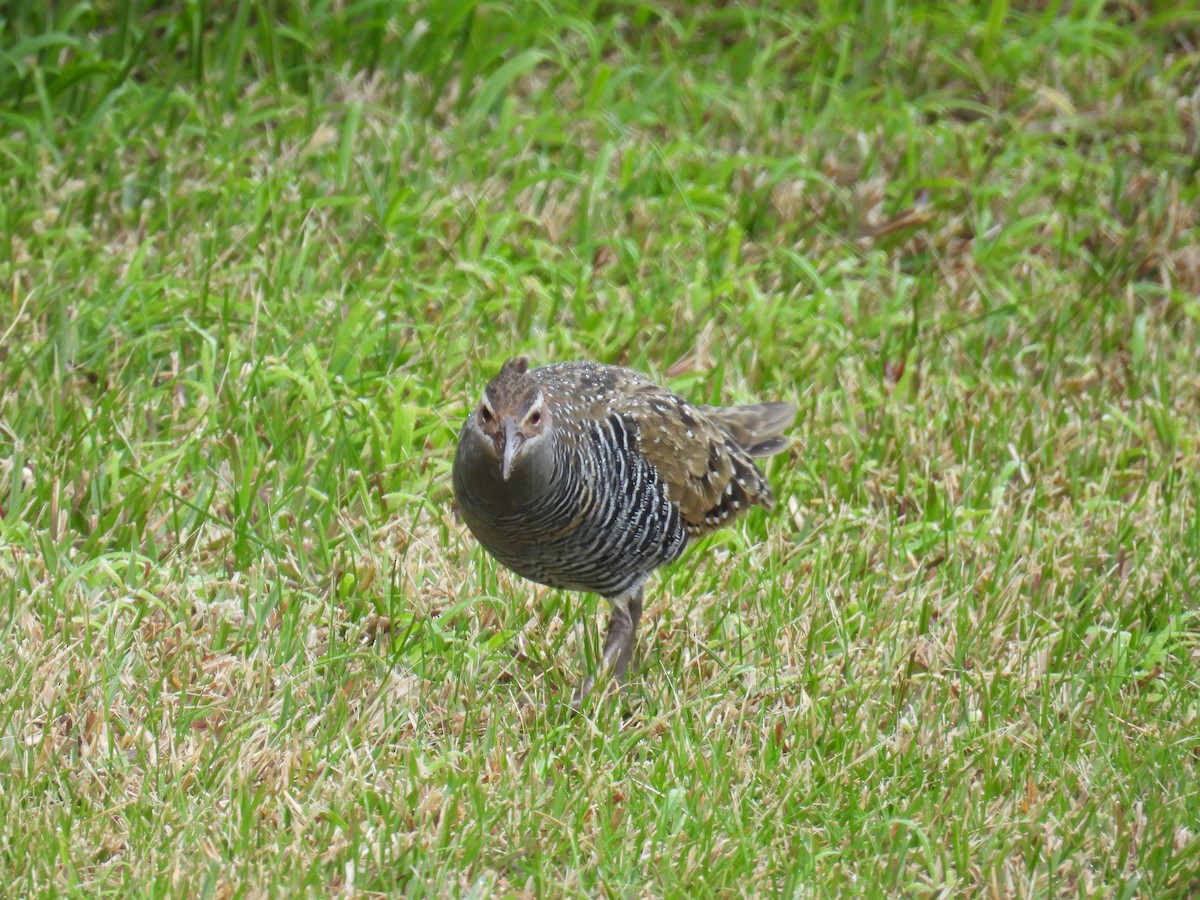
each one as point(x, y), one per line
point(512, 416)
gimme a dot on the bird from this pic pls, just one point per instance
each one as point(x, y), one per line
point(584, 476)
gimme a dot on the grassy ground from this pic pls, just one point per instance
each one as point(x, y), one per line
point(258, 259)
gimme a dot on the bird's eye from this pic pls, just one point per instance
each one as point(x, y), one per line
point(485, 414)
point(535, 417)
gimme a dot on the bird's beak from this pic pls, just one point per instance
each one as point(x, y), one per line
point(513, 439)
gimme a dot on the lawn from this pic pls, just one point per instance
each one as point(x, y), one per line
point(258, 260)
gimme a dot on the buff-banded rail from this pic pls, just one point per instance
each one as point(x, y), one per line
point(588, 477)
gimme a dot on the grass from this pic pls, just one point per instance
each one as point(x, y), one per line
point(259, 260)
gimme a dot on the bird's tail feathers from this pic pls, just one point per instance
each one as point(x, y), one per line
point(757, 427)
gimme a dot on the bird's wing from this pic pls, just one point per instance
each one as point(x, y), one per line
point(703, 453)
point(709, 476)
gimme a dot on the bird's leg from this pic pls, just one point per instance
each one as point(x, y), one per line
point(622, 634)
point(619, 641)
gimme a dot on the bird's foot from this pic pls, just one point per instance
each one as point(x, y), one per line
point(581, 692)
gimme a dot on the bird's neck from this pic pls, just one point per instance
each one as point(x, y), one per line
point(530, 482)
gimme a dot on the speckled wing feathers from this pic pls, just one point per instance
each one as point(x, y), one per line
point(703, 453)
point(708, 474)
